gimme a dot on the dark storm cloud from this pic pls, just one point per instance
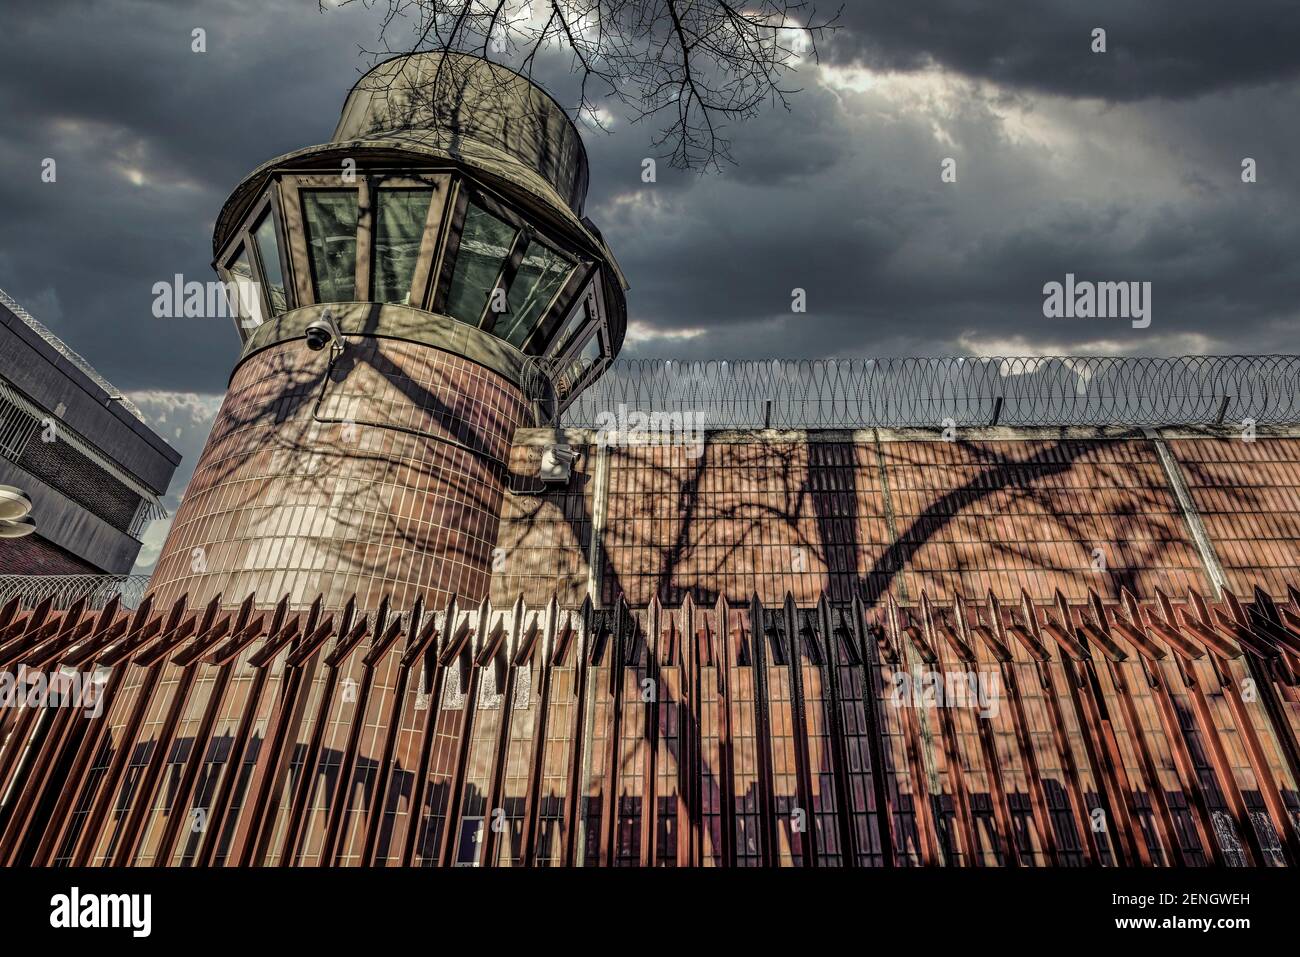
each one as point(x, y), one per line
point(1155, 48)
point(839, 196)
point(893, 261)
point(149, 137)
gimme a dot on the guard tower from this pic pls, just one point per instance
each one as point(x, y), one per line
point(396, 290)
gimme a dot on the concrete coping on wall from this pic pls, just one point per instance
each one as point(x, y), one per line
point(391, 320)
point(589, 436)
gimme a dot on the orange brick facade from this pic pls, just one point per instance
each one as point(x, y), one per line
point(899, 516)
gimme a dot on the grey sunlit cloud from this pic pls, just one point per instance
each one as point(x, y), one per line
point(1120, 166)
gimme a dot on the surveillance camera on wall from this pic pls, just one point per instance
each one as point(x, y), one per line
point(557, 464)
point(324, 332)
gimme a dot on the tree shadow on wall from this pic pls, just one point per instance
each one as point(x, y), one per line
point(376, 446)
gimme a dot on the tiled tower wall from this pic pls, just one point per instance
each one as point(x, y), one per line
point(389, 480)
point(545, 537)
point(896, 516)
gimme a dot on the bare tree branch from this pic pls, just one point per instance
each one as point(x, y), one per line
point(691, 67)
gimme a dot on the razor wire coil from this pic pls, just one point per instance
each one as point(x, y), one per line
point(957, 390)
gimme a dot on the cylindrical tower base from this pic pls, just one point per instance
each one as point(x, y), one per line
point(380, 471)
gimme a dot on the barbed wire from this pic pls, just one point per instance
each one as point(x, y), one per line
point(958, 390)
point(66, 590)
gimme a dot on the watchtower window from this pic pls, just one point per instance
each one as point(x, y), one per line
point(332, 242)
point(399, 231)
point(248, 301)
point(268, 248)
point(541, 276)
point(485, 245)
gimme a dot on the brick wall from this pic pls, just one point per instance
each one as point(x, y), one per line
point(1248, 496)
point(898, 516)
point(33, 555)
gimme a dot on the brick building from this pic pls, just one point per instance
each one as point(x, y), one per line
point(80, 451)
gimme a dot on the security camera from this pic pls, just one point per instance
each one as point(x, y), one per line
point(325, 332)
point(557, 463)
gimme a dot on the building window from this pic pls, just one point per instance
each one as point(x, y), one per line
point(248, 300)
point(541, 276)
point(268, 247)
point(591, 352)
point(485, 244)
point(331, 217)
point(505, 277)
point(471, 842)
point(569, 334)
point(579, 368)
point(399, 231)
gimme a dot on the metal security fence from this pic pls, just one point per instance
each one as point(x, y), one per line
point(954, 390)
point(65, 590)
point(535, 716)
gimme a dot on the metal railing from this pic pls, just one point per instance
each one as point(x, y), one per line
point(954, 390)
point(66, 590)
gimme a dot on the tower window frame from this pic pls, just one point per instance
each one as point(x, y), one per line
point(551, 333)
point(246, 321)
point(569, 346)
point(568, 384)
point(303, 186)
point(267, 214)
point(442, 185)
point(557, 307)
point(368, 184)
point(244, 240)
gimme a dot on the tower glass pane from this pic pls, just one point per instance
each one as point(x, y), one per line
point(248, 300)
point(575, 372)
point(331, 217)
point(400, 216)
point(577, 322)
point(541, 276)
point(484, 245)
point(268, 247)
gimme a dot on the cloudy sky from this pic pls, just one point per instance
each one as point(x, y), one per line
point(1117, 166)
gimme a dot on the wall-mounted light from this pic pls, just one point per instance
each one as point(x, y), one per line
point(15, 504)
point(17, 529)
